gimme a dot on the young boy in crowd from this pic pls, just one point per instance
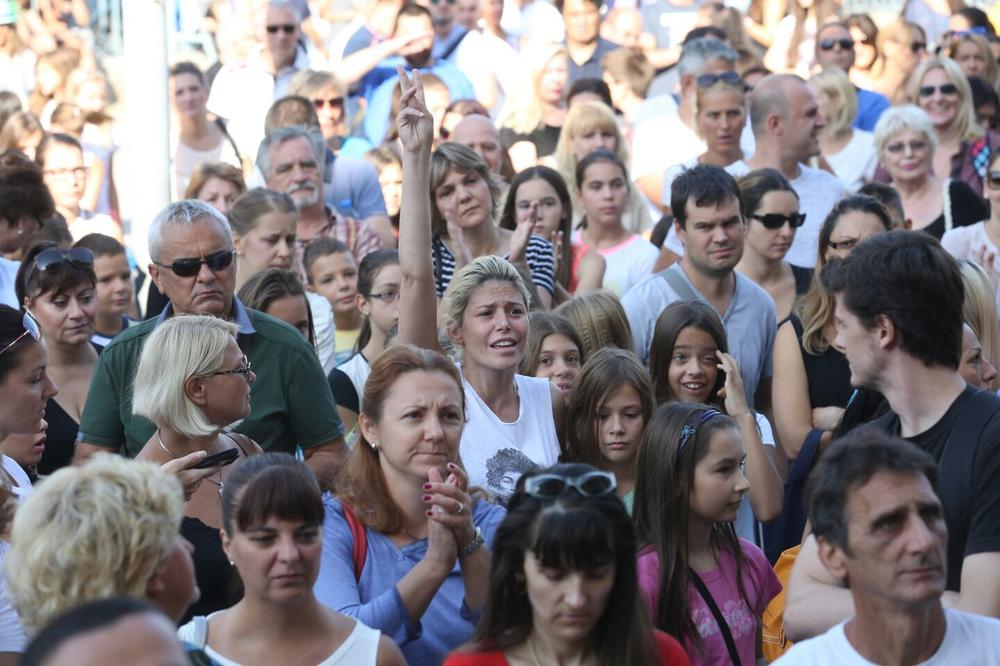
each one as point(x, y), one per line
point(115, 292)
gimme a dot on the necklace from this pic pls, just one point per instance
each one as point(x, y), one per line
point(219, 483)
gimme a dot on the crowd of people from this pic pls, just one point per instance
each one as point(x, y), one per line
point(523, 332)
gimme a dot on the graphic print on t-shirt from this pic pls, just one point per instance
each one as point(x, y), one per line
point(504, 469)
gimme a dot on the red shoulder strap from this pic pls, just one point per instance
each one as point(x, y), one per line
point(360, 539)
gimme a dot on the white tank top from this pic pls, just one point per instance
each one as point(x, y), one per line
point(360, 648)
point(495, 453)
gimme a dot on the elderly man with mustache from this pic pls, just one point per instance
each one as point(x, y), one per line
point(291, 160)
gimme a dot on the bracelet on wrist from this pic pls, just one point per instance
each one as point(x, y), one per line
point(473, 545)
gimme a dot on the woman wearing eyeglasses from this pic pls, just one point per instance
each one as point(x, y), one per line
point(406, 542)
point(962, 147)
point(61, 159)
point(59, 288)
point(193, 382)
point(26, 389)
point(562, 587)
point(379, 281)
point(812, 382)
point(771, 210)
point(907, 143)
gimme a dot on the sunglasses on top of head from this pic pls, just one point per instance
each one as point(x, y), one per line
point(189, 267)
point(548, 486)
point(30, 328)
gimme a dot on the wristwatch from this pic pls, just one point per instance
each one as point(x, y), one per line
point(473, 545)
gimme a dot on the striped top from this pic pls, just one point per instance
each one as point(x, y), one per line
point(538, 255)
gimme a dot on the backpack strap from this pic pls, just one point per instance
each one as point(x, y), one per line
point(679, 284)
point(454, 45)
point(360, 539)
point(727, 635)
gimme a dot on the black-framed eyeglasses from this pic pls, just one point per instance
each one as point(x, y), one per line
point(388, 297)
point(30, 328)
point(287, 28)
point(242, 369)
point(595, 483)
point(845, 44)
point(691, 429)
point(777, 220)
point(189, 267)
point(946, 89)
point(709, 80)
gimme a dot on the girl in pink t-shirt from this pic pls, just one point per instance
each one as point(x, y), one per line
point(689, 488)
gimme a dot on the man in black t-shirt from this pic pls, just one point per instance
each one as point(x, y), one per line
point(899, 320)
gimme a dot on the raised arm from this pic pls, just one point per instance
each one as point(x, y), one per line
point(417, 298)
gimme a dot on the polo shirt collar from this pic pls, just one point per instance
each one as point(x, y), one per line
point(240, 317)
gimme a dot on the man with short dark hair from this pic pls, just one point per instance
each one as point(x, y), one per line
point(584, 43)
point(835, 48)
point(193, 263)
point(708, 220)
point(120, 631)
point(880, 529)
point(899, 320)
point(786, 120)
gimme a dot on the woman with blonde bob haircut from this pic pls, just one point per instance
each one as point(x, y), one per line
point(850, 152)
point(533, 114)
point(193, 382)
point(108, 528)
point(940, 87)
point(979, 311)
point(589, 126)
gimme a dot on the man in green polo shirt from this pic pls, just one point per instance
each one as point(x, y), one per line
point(194, 265)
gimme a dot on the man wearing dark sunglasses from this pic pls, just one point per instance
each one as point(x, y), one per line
point(242, 92)
point(194, 265)
point(835, 48)
point(786, 121)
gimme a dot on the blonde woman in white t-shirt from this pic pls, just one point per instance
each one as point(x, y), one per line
point(513, 421)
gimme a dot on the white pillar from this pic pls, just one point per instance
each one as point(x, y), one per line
point(145, 189)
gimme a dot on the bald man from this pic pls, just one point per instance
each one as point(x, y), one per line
point(786, 120)
point(480, 134)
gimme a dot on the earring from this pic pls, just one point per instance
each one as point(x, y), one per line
point(20, 232)
point(231, 563)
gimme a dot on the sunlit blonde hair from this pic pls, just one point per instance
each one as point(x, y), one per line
point(964, 125)
point(983, 45)
point(91, 532)
point(475, 274)
point(181, 347)
point(979, 310)
point(523, 109)
point(583, 119)
point(833, 84)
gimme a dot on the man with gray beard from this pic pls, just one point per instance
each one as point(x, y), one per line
point(291, 160)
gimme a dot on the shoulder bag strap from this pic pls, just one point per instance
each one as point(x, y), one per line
point(229, 137)
point(717, 614)
point(679, 284)
point(949, 220)
point(360, 539)
point(200, 637)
